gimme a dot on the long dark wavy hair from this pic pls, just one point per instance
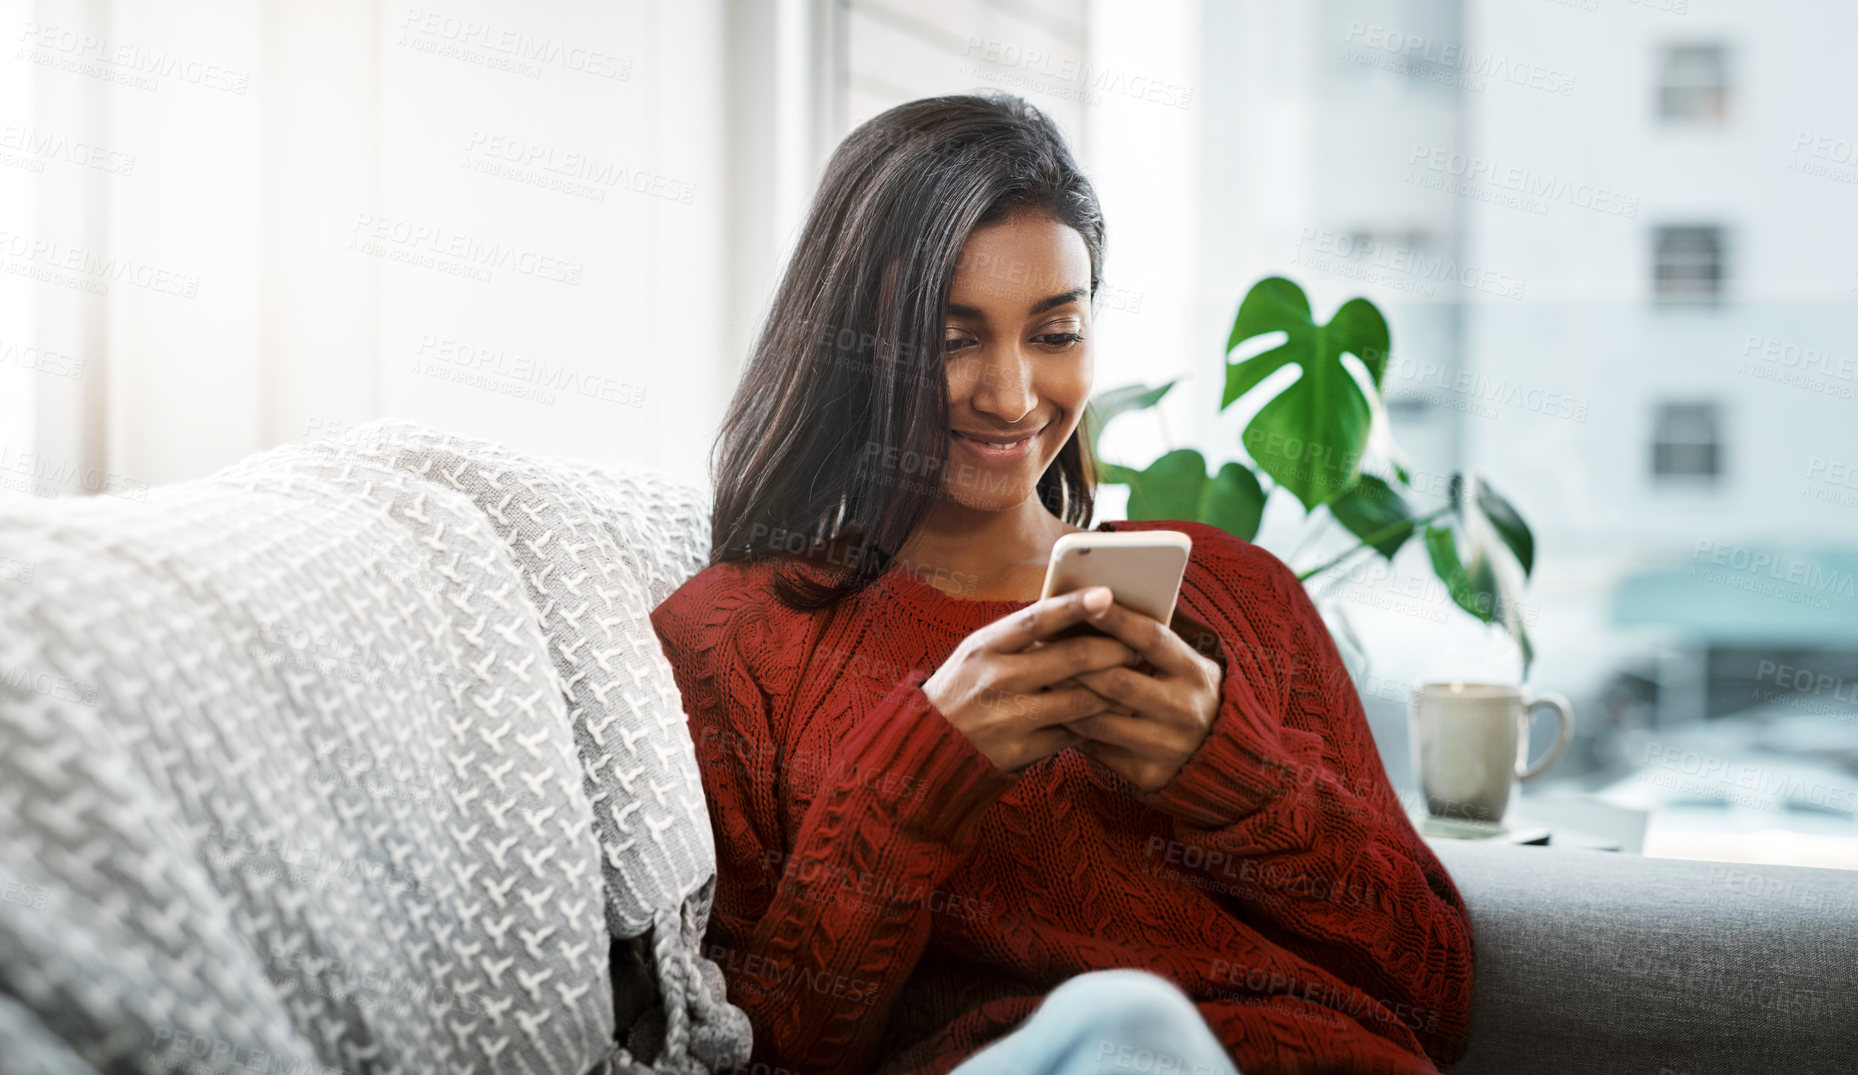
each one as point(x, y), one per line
point(834, 445)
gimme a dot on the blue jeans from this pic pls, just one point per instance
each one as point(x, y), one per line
point(1123, 1021)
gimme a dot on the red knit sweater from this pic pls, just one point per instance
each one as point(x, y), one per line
point(889, 901)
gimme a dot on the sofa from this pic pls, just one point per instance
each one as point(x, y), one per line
point(1597, 962)
point(358, 755)
point(361, 755)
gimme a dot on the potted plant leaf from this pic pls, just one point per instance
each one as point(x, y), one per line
point(1309, 440)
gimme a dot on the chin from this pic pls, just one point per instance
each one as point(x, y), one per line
point(985, 502)
point(992, 490)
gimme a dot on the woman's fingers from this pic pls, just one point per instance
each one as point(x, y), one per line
point(1011, 634)
point(1147, 775)
point(1014, 685)
point(1058, 708)
point(1056, 663)
point(1152, 639)
point(1127, 689)
point(1050, 740)
point(1119, 730)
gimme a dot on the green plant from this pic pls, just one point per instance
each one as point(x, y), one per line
point(1310, 439)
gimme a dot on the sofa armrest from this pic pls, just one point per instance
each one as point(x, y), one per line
point(1598, 962)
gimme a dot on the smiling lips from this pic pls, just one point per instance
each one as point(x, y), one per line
point(996, 447)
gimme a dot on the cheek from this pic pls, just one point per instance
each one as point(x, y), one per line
point(962, 377)
point(1068, 384)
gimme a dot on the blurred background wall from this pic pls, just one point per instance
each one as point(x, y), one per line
point(1615, 239)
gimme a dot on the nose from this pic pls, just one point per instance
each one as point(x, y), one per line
point(1004, 385)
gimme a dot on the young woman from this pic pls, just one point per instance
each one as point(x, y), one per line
point(949, 836)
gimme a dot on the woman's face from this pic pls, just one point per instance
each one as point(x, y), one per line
point(1017, 361)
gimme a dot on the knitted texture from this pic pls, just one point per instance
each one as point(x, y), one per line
point(353, 756)
point(890, 901)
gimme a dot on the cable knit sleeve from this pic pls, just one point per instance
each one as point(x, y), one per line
point(1291, 804)
point(816, 939)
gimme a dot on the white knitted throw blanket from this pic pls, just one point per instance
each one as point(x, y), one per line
point(353, 756)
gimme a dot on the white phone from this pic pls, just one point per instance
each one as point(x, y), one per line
point(1142, 568)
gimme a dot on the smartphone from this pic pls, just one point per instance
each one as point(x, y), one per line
point(1142, 568)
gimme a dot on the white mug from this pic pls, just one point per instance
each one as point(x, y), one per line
point(1471, 745)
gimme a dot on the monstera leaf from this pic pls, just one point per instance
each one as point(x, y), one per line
point(1508, 524)
point(1176, 486)
point(1477, 587)
point(1107, 405)
point(1309, 437)
point(1375, 513)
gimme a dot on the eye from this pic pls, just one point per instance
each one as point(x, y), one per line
point(1060, 339)
point(952, 344)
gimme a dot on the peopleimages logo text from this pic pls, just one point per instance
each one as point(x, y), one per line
point(1524, 181)
point(1454, 54)
point(1791, 569)
point(1805, 359)
point(507, 41)
point(374, 234)
point(1074, 69)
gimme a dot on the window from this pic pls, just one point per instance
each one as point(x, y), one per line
point(1687, 443)
point(1421, 40)
point(1687, 264)
point(900, 50)
point(1811, 683)
point(1693, 84)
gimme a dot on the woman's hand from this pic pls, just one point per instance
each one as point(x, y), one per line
point(996, 688)
point(1161, 712)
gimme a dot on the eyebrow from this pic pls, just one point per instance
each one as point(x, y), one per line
point(1038, 307)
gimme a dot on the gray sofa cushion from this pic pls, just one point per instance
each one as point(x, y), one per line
point(1597, 962)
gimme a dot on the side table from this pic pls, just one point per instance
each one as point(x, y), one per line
point(1547, 820)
